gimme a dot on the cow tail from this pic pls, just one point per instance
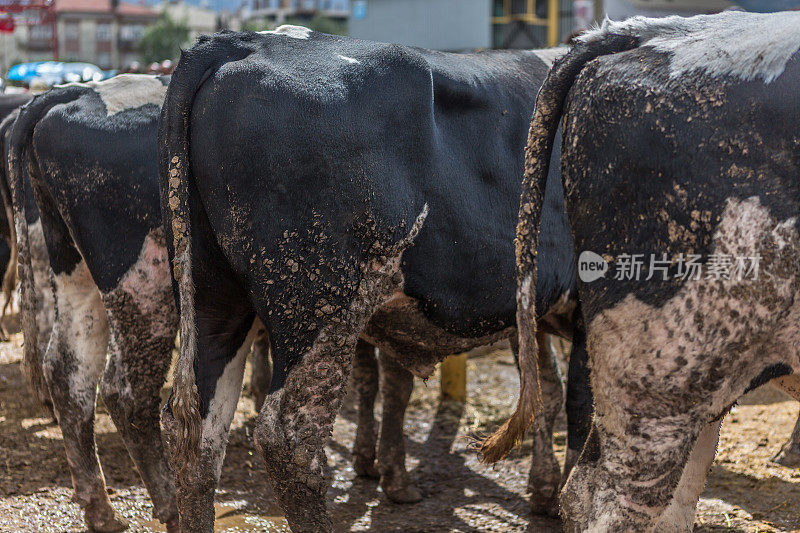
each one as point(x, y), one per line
point(10, 275)
point(194, 67)
point(19, 154)
point(546, 117)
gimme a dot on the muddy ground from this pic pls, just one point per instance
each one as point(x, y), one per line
point(745, 491)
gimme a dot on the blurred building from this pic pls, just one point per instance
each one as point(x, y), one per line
point(278, 11)
point(463, 24)
point(622, 9)
point(85, 31)
point(200, 20)
point(437, 24)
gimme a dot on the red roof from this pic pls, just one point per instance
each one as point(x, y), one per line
point(102, 6)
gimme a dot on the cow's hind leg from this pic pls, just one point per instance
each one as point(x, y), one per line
point(261, 365)
point(223, 341)
point(296, 421)
point(790, 452)
point(545, 474)
point(366, 379)
point(579, 402)
point(679, 516)
point(397, 384)
point(72, 365)
point(298, 416)
point(143, 322)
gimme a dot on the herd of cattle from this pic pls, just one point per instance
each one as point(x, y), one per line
point(315, 197)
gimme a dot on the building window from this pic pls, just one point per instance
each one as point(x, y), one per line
point(499, 8)
point(340, 6)
point(104, 60)
point(72, 31)
point(104, 31)
point(131, 32)
point(41, 32)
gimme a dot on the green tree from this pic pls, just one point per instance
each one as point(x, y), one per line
point(163, 40)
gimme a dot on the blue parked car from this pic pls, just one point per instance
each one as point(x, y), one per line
point(54, 72)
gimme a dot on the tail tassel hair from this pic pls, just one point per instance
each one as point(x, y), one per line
point(546, 117)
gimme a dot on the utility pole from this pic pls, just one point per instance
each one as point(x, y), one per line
point(115, 35)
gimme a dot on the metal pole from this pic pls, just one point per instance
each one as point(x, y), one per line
point(454, 378)
point(552, 23)
point(55, 37)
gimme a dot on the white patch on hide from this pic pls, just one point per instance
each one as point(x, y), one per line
point(148, 282)
point(83, 327)
point(746, 45)
point(351, 60)
point(660, 371)
point(549, 55)
point(295, 32)
point(126, 91)
point(223, 404)
point(524, 292)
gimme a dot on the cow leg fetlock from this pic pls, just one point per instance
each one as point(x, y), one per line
point(365, 378)
point(545, 474)
point(102, 518)
point(396, 386)
point(196, 487)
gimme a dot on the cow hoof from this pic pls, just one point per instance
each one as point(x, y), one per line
point(407, 494)
point(788, 456)
point(113, 524)
point(366, 468)
point(545, 504)
point(172, 526)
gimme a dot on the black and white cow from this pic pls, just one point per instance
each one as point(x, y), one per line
point(681, 136)
point(113, 216)
point(86, 155)
point(297, 171)
point(89, 151)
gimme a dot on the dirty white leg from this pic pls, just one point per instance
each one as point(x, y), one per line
point(679, 516)
point(72, 366)
point(790, 452)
